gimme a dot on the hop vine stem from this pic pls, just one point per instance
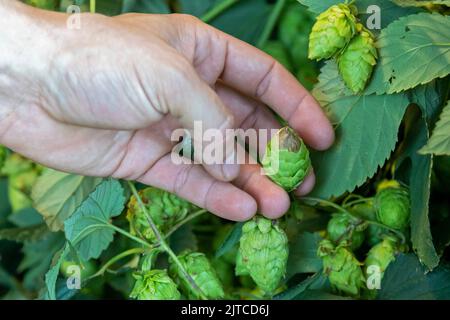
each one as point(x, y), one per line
point(271, 22)
point(164, 246)
point(217, 10)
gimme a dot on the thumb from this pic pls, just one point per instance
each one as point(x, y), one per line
point(199, 109)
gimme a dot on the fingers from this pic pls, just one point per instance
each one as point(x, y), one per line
point(257, 74)
point(272, 200)
point(194, 184)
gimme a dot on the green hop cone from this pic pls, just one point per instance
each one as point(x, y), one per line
point(154, 285)
point(165, 208)
point(264, 251)
point(286, 160)
point(342, 268)
point(241, 268)
point(332, 31)
point(344, 227)
point(358, 59)
point(393, 207)
point(199, 268)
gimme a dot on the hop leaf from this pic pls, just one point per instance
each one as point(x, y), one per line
point(393, 207)
point(343, 227)
point(264, 251)
point(154, 285)
point(199, 268)
point(332, 31)
point(165, 208)
point(358, 59)
point(342, 268)
point(286, 160)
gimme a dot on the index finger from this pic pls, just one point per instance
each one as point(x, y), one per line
point(257, 74)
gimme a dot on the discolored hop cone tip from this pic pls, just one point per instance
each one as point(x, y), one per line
point(286, 160)
point(358, 60)
point(263, 251)
point(154, 285)
point(332, 31)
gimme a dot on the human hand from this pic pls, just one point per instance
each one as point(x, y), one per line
point(104, 101)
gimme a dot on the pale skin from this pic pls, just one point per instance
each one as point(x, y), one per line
point(104, 100)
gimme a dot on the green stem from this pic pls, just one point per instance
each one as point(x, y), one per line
point(114, 259)
point(351, 203)
point(164, 246)
point(184, 221)
point(398, 233)
point(93, 6)
point(217, 10)
point(326, 203)
point(270, 25)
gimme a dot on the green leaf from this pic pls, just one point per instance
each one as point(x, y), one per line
point(231, 240)
point(197, 7)
point(303, 255)
point(145, 6)
point(52, 275)
point(24, 234)
point(419, 185)
point(87, 229)
point(407, 279)
point(56, 195)
point(292, 293)
point(415, 50)
point(366, 130)
point(439, 143)
point(245, 20)
point(37, 259)
point(26, 218)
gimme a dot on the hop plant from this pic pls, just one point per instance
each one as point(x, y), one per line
point(342, 268)
point(3, 155)
point(241, 268)
point(393, 207)
point(332, 31)
point(44, 4)
point(199, 268)
point(286, 160)
point(222, 233)
point(154, 285)
point(264, 251)
point(343, 227)
point(165, 208)
point(358, 59)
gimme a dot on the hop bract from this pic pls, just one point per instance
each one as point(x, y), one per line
point(154, 285)
point(332, 31)
point(393, 207)
point(165, 208)
point(381, 255)
point(344, 227)
point(358, 60)
point(199, 268)
point(264, 251)
point(342, 268)
point(286, 160)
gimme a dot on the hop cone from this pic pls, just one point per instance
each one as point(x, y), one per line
point(286, 160)
point(342, 268)
point(392, 207)
point(154, 285)
point(199, 268)
point(382, 254)
point(358, 60)
point(332, 31)
point(264, 251)
point(344, 227)
point(241, 268)
point(165, 208)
